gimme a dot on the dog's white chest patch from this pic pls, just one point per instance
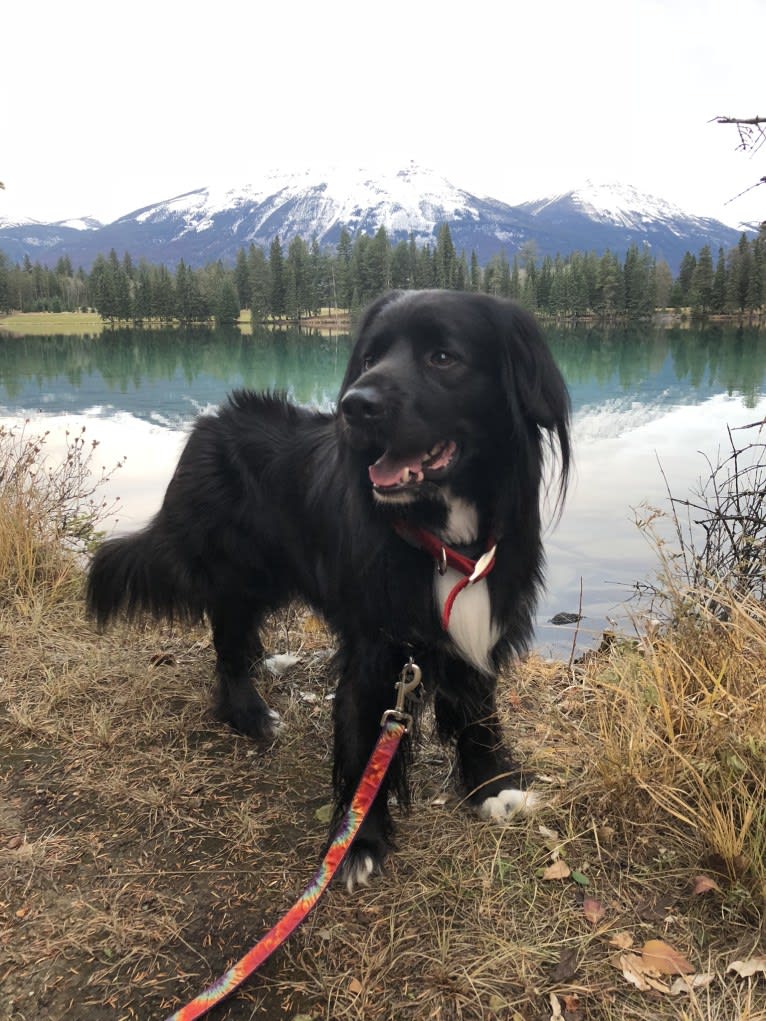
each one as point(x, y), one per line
point(470, 624)
point(462, 522)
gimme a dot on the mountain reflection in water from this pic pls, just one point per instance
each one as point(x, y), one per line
point(642, 397)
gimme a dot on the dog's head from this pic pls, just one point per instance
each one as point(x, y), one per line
point(443, 387)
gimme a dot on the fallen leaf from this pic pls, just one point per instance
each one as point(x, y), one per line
point(551, 837)
point(324, 813)
point(566, 967)
point(662, 959)
point(749, 967)
point(703, 884)
point(655, 909)
point(685, 983)
point(558, 870)
point(593, 910)
point(355, 986)
point(22, 912)
point(606, 835)
point(14, 842)
point(622, 940)
point(514, 700)
point(580, 878)
point(572, 1007)
point(633, 969)
point(555, 1007)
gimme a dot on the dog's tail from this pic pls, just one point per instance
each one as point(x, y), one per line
point(139, 574)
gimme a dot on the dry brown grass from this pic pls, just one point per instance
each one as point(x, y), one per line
point(144, 847)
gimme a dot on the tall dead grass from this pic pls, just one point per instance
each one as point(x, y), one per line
point(678, 722)
point(678, 718)
point(49, 513)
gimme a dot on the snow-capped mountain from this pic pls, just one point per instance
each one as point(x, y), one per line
point(616, 215)
point(214, 223)
point(42, 242)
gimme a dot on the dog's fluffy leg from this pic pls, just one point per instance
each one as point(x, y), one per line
point(237, 645)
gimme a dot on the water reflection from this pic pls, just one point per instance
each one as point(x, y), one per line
point(173, 372)
point(640, 397)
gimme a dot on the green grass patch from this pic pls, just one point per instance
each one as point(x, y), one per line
point(41, 323)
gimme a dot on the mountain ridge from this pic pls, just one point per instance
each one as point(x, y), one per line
point(214, 222)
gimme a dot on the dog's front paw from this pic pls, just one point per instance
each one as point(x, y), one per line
point(507, 803)
point(250, 716)
point(362, 862)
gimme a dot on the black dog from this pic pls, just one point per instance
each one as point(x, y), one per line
point(374, 515)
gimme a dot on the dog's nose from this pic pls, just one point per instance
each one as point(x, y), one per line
point(362, 405)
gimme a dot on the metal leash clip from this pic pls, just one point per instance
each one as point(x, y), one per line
point(409, 680)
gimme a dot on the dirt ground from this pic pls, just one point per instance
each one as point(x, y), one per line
point(144, 848)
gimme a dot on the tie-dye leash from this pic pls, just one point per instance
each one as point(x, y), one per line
point(394, 725)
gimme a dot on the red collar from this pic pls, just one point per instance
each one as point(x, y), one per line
point(444, 556)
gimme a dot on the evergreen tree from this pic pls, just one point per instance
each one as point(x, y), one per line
point(142, 304)
point(702, 282)
point(378, 264)
point(475, 277)
point(685, 279)
point(184, 309)
point(226, 309)
point(318, 292)
point(461, 274)
point(445, 258)
point(242, 280)
point(718, 301)
point(755, 284)
point(260, 284)
point(163, 295)
point(738, 283)
point(342, 276)
point(278, 283)
point(5, 285)
point(515, 280)
point(297, 288)
point(664, 283)
point(608, 298)
point(401, 274)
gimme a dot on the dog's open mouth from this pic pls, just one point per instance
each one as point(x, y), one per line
point(392, 474)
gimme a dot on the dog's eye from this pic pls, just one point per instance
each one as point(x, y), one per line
point(441, 359)
point(367, 362)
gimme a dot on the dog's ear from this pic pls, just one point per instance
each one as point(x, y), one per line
point(528, 369)
point(369, 315)
point(532, 381)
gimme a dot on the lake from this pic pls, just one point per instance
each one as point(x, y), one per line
point(642, 397)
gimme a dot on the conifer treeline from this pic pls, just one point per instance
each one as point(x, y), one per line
point(304, 278)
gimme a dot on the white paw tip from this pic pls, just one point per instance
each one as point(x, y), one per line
point(508, 803)
point(360, 873)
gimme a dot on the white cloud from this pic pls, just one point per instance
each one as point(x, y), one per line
point(109, 108)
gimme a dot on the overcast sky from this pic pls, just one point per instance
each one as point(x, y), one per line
point(111, 106)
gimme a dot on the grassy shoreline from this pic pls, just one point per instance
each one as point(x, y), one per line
point(329, 320)
point(75, 323)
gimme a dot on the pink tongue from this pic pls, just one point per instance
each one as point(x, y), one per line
point(387, 470)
